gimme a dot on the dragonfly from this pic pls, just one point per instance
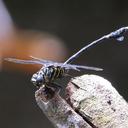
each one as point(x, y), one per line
point(52, 71)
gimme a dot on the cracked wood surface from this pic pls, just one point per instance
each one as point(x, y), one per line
point(94, 98)
point(92, 102)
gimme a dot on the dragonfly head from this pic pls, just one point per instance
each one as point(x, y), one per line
point(38, 79)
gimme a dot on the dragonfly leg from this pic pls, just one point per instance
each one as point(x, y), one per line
point(49, 91)
point(46, 93)
point(55, 87)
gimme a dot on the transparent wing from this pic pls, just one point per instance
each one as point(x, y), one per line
point(42, 60)
point(51, 63)
point(68, 66)
point(33, 61)
point(78, 67)
point(19, 61)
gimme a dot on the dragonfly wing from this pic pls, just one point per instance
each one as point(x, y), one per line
point(50, 63)
point(33, 61)
point(89, 68)
point(42, 60)
point(19, 61)
point(77, 67)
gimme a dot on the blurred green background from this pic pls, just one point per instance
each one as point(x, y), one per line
point(75, 23)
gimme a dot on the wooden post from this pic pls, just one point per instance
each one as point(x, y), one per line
point(92, 102)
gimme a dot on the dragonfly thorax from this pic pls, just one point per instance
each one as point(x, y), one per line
point(47, 75)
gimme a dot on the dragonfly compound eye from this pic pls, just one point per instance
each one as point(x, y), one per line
point(37, 79)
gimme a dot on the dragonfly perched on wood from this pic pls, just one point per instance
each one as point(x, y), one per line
point(54, 70)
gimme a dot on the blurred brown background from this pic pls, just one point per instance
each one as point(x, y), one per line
point(55, 30)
